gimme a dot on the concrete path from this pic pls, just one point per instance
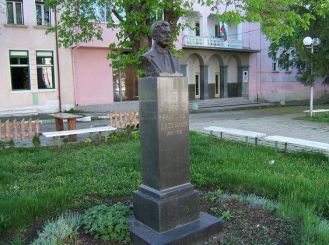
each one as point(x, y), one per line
point(272, 121)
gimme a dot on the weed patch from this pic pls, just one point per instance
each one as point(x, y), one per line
point(107, 223)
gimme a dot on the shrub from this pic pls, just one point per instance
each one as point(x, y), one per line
point(107, 223)
point(60, 231)
point(36, 141)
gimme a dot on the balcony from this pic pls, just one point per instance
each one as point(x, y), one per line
point(211, 42)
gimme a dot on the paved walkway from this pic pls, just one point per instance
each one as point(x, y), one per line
point(272, 121)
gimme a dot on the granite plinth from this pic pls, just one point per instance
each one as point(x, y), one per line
point(167, 209)
point(192, 233)
point(164, 127)
point(166, 206)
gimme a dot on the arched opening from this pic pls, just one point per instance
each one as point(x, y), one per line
point(214, 78)
point(233, 85)
point(194, 76)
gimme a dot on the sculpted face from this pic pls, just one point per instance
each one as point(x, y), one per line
point(162, 36)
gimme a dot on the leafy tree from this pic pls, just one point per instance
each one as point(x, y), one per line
point(284, 23)
point(294, 54)
point(277, 17)
point(79, 22)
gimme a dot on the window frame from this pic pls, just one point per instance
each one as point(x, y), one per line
point(19, 65)
point(217, 83)
point(275, 65)
point(43, 8)
point(107, 12)
point(41, 65)
point(197, 29)
point(15, 12)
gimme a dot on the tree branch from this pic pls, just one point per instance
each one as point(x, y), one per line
point(117, 14)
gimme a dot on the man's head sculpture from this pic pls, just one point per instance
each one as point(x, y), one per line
point(158, 61)
point(161, 33)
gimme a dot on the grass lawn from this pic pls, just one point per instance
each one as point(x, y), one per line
point(318, 117)
point(39, 183)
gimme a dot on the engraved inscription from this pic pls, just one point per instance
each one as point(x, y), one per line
point(173, 123)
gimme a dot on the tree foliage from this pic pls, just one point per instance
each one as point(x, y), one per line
point(292, 53)
point(131, 20)
point(284, 23)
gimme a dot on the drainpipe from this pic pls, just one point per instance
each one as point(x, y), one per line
point(73, 74)
point(57, 62)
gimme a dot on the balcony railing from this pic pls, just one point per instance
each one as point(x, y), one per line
point(211, 42)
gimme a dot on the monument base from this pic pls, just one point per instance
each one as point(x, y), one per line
point(164, 210)
point(195, 232)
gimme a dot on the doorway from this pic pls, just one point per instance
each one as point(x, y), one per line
point(197, 85)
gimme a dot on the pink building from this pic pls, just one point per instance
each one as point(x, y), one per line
point(30, 77)
point(219, 59)
point(217, 66)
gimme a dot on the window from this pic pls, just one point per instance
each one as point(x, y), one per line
point(15, 12)
point(275, 65)
point(197, 85)
point(197, 29)
point(103, 12)
point(217, 31)
point(45, 70)
point(216, 83)
point(19, 69)
point(42, 13)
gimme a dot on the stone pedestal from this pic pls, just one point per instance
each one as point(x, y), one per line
point(166, 206)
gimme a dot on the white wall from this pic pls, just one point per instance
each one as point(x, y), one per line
point(193, 66)
point(213, 68)
point(232, 71)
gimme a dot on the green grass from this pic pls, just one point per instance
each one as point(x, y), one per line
point(39, 183)
point(318, 117)
point(244, 168)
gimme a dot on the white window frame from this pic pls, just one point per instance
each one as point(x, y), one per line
point(46, 53)
point(217, 91)
point(42, 4)
point(14, 11)
point(275, 65)
point(99, 8)
point(197, 83)
point(19, 53)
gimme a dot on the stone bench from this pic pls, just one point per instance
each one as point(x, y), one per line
point(238, 132)
point(298, 142)
point(317, 111)
point(78, 131)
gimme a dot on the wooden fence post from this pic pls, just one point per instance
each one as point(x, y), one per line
point(128, 119)
point(111, 119)
point(116, 120)
point(0, 130)
point(37, 127)
point(7, 130)
point(29, 132)
point(22, 129)
point(14, 124)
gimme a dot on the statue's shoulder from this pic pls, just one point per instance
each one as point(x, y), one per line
point(148, 64)
point(149, 54)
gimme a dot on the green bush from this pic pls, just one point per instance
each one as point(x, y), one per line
point(107, 223)
point(61, 231)
point(36, 141)
point(4, 222)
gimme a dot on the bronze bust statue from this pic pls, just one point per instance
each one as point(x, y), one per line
point(158, 61)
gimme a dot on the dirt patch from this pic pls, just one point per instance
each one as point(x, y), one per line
point(243, 223)
point(251, 224)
